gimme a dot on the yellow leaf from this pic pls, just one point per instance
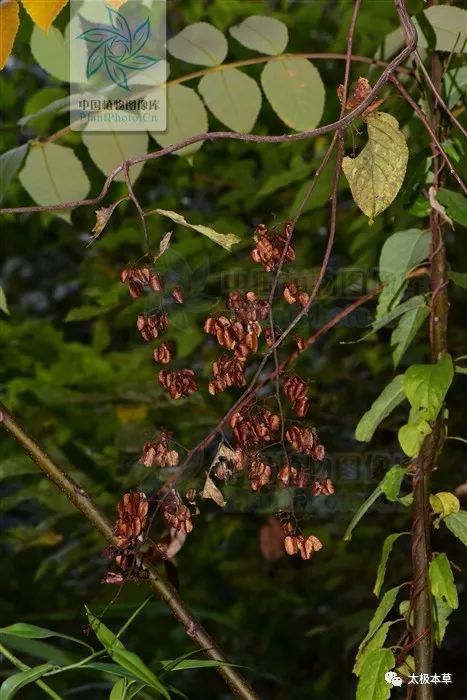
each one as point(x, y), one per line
point(131, 413)
point(116, 4)
point(376, 175)
point(9, 23)
point(43, 12)
point(444, 503)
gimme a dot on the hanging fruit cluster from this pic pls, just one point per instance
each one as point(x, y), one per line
point(255, 428)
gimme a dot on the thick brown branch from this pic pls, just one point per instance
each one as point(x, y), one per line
point(162, 588)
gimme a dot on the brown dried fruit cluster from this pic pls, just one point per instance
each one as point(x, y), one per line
point(227, 371)
point(247, 306)
point(238, 336)
point(151, 326)
point(163, 353)
point(178, 516)
point(254, 429)
point(295, 390)
point(137, 278)
point(270, 246)
point(299, 544)
point(324, 487)
point(178, 383)
point(132, 512)
point(293, 295)
point(159, 452)
point(259, 474)
point(305, 440)
point(177, 295)
point(361, 92)
point(290, 476)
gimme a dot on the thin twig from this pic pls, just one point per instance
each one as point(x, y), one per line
point(162, 588)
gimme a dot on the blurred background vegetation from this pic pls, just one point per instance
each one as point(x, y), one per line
point(76, 373)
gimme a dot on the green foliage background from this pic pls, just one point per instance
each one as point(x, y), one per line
point(76, 373)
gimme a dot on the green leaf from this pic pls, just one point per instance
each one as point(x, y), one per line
point(442, 581)
point(264, 34)
point(132, 663)
point(126, 659)
point(296, 92)
point(26, 631)
point(107, 638)
point(454, 203)
point(366, 505)
point(3, 302)
point(10, 163)
point(400, 253)
point(118, 691)
point(226, 240)
point(391, 482)
point(406, 331)
point(108, 149)
point(233, 97)
point(372, 684)
point(41, 100)
point(376, 175)
point(386, 603)
point(51, 51)
point(53, 174)
point(440, 615)
point(455, 85)
point(459, 278)
point(448, 28)
point(457, 523)
point(13, 683)
point(412, 435)
point(385, 552)
point(199, 43)
point(188, 664)
point(186, 116)
point(390, 397)
point(376, 642)
point(426, 386)
point(444, 503)
point(412, 303)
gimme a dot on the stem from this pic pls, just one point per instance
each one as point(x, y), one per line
point(162, 588)
point(24, 667)
point(426, 462)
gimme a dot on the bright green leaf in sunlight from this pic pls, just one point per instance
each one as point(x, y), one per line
point(186, 116)
point(12, 684)
point(372, 684)
point(455, 205)
point(53, 174)
point(442, 580)
point(391, 396)
point(296, 92)
point(233, 97)
point(108, 149)
point(52, 52)
point(443, 28)
point(264, 34)
point(426, 386)
point(444, 503)
point(199, 43)
point(376, 175)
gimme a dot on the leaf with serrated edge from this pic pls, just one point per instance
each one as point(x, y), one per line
point(457, 523)
point(386, 604)
point(442, 580)
point(376, 642)
point(264, 34)
point(376, 175)
point(385, 552)
point(43, 12)
point(372, 684)
point(406, 331)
